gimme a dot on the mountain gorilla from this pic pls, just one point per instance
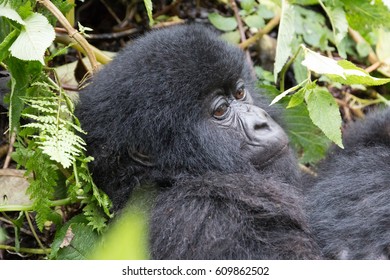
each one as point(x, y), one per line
point(177, 109)
point(349, 202)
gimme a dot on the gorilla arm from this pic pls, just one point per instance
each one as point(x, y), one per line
point(235, 216)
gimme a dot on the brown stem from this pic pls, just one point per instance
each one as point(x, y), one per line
point(73, 33)
point(98, 54)
point(10, 150)
point(241, 31)
point(267, 29)
point(372, 58)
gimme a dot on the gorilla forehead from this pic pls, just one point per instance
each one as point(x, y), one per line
point(176, 61)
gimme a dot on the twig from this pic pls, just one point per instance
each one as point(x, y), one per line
point(241, 30)
point(66, 40)
point(25, 250)
point(372, 58)
point(238, 19)
point(166, 9)
point(110, 11)
point(73, 33)
point(267, 29)
point(373, 67)
point(35, 233)
point(7, 160)
point(29, 207)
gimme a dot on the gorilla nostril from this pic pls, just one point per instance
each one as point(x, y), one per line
point(263, 125)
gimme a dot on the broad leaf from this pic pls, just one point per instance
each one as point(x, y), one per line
point(37, 34)
point(11, 14)
point(223, 23)
point(285, 37)
point(341, 71)
point(306, 138)
point(339, 24)
point(324, 112)
point(255, 21)
point(321, 64)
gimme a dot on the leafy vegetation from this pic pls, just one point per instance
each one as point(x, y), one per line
point(330, 62)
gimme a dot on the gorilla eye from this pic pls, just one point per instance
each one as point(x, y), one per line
point(240, 93)
point(221, 110)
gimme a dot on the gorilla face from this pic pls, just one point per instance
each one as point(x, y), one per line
point(260, 136)
point(179, 100)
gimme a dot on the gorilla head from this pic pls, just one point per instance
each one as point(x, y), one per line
point(174, 106)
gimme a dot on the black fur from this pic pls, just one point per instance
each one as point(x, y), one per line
point(349, 202)
point(230, 216)
point(212, 202)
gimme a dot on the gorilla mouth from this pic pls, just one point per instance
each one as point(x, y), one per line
point(264, 156)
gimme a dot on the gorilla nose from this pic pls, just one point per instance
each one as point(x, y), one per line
point(260, 128)
point(260, 120)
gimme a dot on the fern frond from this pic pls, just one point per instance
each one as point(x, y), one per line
point(56, 133)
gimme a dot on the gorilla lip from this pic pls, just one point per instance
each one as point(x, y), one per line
point(266, 158)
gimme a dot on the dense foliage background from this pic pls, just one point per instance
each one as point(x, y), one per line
point(327, 61)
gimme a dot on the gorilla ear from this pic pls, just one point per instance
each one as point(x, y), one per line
point(141, 159)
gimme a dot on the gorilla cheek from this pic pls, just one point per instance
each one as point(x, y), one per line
point(263, 139)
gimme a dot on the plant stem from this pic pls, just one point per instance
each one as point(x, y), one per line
point(267, 29)
point(34, 232)
point(25, 250)
point(286, 67)
point(66, 40)
point(72, 32)
point(29, 207)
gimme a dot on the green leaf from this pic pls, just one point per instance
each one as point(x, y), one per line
point(297, 98)
point(339, 24)
point(11, 14)
point(6, 44)
point(37, 34)
point(56, 136)
point(254, 21)
point(304, 2)
point(363, 49)
point(247, 5)
point(311, 25)
point(285, 36)
point(231, 37)
point(264, 12)
point(19, 83)
point(324, 112)
point(356, 75)
point(222, 23)
point(321, 64)
point(61, 234)
point(77, 242)
point(149, 9)
point(306, 138)
point(127, 237)
point(364, 15)
point(300, 72)
point(341, 71)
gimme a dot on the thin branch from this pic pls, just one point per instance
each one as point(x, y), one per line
point(25, 250)
point(7, 160)
point(30, 207)
point(66, 40)
point(73, 33)
point(267, 29)
point(238, 19)
point(241, 30)
point(372, 58)
point(35, 233)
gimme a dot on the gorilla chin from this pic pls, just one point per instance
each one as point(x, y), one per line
point(258, 149)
